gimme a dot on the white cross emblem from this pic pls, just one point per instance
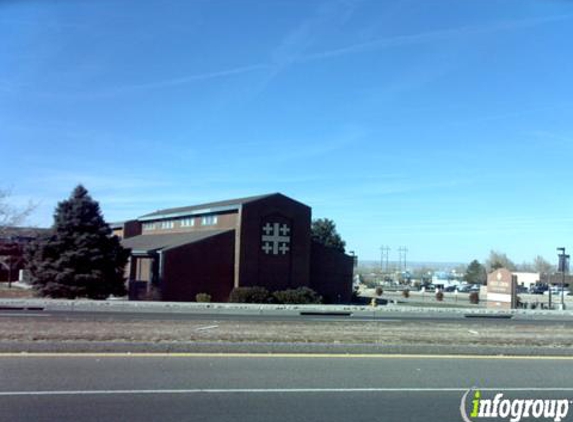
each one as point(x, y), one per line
point(276, 238)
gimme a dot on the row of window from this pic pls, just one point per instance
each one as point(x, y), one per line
point(208, 220)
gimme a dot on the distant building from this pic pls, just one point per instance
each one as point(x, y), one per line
point(443, 279)
point(13, 241)
point(526, 279)
point(212, 248)
point(531, 279)
point(556, 279)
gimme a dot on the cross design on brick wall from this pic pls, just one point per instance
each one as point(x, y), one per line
point(276, 239)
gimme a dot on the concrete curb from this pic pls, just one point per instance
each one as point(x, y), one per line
point(82, 305)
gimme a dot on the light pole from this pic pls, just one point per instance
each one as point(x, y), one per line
point(549, 288)
point(562, 268)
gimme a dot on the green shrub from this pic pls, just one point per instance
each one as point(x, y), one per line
point(439, 296)
point(300, 296)
point(253, 294)
point(406, 293)
point(203, 297)
point(379, 291)
point(474, 298)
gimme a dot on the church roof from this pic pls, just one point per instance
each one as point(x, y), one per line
point(155, 242)
point(210, 207)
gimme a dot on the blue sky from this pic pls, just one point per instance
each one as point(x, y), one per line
point(445, 126)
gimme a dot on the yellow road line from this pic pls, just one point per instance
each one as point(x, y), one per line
point(278, 355)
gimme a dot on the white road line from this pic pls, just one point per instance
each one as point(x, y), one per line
point(359, 319)
point(271, 391)
point(209, 327)
point(235, 355)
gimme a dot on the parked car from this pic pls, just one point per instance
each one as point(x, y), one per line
point(522, 289)
point(538, 289)
point(557, 291)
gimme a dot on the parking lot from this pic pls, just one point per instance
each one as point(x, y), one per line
point(418, 297)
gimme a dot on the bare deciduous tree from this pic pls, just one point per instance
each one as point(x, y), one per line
point(11, 216)
point(498, 260)
point(541, 265)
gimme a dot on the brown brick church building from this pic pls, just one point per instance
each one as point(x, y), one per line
point(212, 248)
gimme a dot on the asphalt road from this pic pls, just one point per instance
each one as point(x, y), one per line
point(265, 388)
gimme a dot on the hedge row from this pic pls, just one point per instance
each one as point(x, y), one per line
point(257, 294)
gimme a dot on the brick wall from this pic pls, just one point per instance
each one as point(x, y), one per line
point(274, 271)
point(331, 273)
point(201, 267)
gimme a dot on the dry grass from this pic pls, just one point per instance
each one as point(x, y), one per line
point(14, 292)
point(388, 333)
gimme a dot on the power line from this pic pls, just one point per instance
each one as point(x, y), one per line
point(384, 251)
point(402, 251)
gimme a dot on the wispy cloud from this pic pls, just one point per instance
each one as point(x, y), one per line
point(486, 226)
point(296, 42)
point(275, 153)
point(549, 138)
point(121, 193)
point(161, 83)
point(9, 87)
point(294, 49)
point(295, 45)
point(52, 24)
point(522, 112)
point(182, 80)
point(433, 36)
point(61, 180)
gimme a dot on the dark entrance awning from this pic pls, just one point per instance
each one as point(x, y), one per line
point(149, 243)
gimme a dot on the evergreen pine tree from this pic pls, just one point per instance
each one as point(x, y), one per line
point(81, 257)
point(476, 273)
point(324, 231)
